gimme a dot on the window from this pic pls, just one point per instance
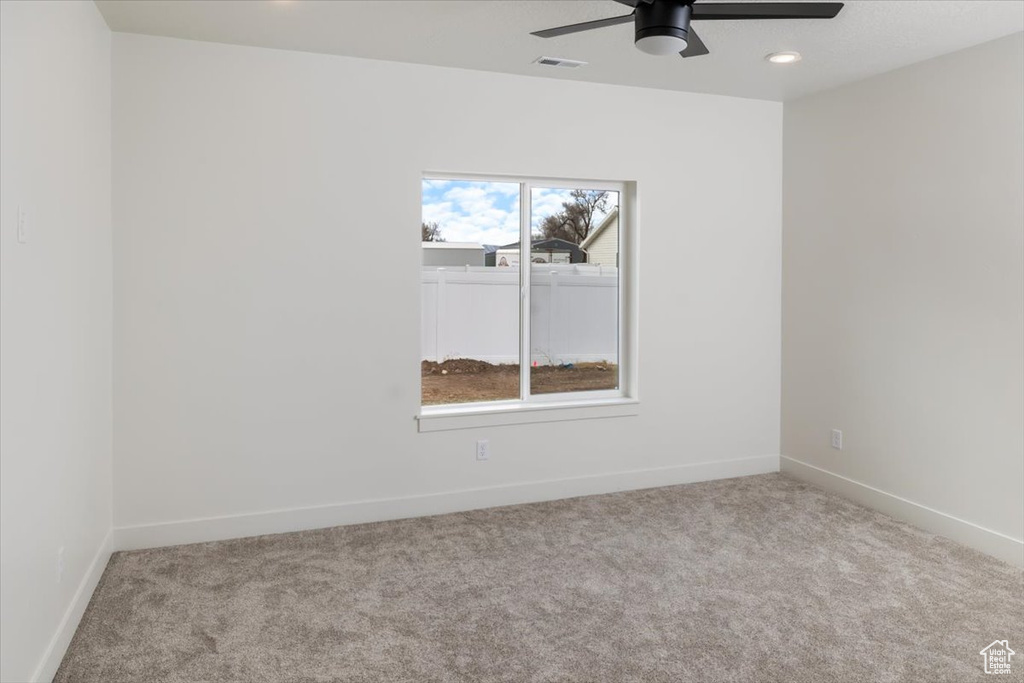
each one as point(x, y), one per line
point(507, 328)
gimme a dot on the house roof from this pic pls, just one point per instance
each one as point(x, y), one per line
point(553, 243)
point(608, 220)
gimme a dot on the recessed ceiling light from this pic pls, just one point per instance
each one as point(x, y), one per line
point(783, 57)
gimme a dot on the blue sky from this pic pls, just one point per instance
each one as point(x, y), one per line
point(484, 212)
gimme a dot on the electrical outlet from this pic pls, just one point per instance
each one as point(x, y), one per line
point(23, 224)
point(837, 439)
point(60, 564)
point(483, 449)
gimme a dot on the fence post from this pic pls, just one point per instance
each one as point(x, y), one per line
point(439, 316)
point(553, 316)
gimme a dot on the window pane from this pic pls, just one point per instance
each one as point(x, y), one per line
point(574, 290)
point(469, 292)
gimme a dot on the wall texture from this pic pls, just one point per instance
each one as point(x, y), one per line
point(259, 388)
point(55, 325)
point(903, 291)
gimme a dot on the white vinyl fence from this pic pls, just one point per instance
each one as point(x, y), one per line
point(473, 312)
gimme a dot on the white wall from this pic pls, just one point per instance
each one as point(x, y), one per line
point(55, 332)
point(254, 373)
point(903, 291)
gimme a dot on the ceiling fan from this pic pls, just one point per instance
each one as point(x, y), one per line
point(663, 26)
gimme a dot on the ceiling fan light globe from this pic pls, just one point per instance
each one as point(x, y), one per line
point(661, 44)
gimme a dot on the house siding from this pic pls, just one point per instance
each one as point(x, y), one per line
point(604, 250)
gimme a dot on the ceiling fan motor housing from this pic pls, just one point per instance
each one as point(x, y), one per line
point(669, 18)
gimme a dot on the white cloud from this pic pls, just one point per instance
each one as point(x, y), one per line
point(485, 213)
point(546, 201)
point(435, 183)
point(482, 212)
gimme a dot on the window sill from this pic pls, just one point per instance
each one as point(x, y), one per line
point(445, 418)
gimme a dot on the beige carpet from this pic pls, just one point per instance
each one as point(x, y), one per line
point(753, 579)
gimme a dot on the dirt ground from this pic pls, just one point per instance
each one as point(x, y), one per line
point(464, 380)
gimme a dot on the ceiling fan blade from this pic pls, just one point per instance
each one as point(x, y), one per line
point(585, 26)
point(634, 3)
point(709, 11)
point(695, 47)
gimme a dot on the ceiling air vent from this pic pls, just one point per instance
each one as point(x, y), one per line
point(558, 61)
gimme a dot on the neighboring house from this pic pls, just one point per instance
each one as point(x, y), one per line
point(543, 251)
point(453, 254)
point(602, 244)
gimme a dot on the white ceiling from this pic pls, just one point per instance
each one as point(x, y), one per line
point(868, 37)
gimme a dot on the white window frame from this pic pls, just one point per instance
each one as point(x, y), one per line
point(576, 405)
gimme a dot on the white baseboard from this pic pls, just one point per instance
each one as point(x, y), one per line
point(358, 512)
point(990, 542)
point(69, 623)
